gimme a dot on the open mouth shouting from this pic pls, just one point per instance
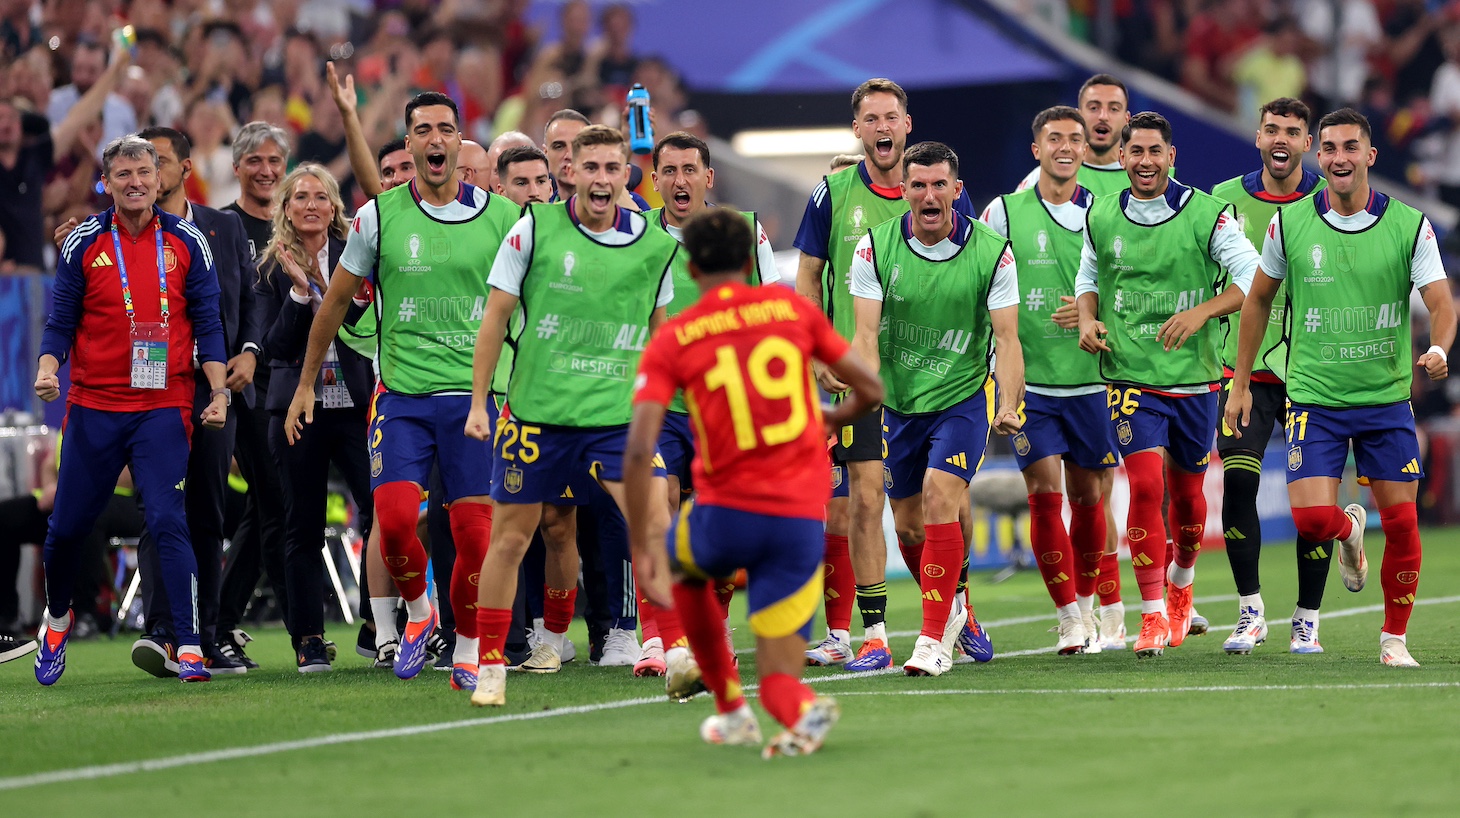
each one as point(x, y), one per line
point(436, 162)
point(682, 200)
point(883, 147)
point(1281, 160)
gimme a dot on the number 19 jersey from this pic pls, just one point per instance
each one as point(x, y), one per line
point(742, 355)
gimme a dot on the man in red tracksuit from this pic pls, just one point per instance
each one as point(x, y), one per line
point(136, 297)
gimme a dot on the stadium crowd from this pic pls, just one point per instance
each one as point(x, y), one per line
point(328, 315)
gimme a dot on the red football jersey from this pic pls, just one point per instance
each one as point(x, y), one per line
point(743, 355)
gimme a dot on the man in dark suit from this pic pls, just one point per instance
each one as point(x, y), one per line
point(211, 451)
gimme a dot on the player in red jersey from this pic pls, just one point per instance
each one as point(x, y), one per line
point(742, 355)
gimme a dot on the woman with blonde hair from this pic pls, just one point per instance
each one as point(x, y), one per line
point(309, 236)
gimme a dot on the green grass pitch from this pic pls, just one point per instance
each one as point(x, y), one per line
point(1193, 733)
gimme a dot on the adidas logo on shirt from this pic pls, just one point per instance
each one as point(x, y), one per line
point(102, 260)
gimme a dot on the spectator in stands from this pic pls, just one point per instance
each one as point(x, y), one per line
point(1338, 74)
point(613, 59)
point(483, 93)
point(561, 71)
point(162, 70)
point(1412, 52)
point(1445, 102)
point(17, 33)
point(223, 70)
point(309, 236)
point(88, 63)
point(1270, 69)
point(1214, 39)
point(29, 148)
point(209, 124)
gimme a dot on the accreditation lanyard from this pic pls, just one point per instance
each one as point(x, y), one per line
point(126, 284)
point(149, 360)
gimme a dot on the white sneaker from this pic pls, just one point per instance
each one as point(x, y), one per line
point(1072, 636)
point(957, 618)
point(682, 678)
point(1353, 566)
point(620, 649)
point(927, 658)
point(831, 651)
point(1395, 653)
point(1305, 636)
point(1250, 632)
point(491, 687)
point(1112, 627)
point(544, 659)
point(651, 658)
point(738, 727)
point(1092, 631)
point(810, 730)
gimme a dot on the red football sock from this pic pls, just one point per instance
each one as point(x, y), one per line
point(397, 507)
point(943, 552)
point(492, 627)
point(1322, 523)
point(1188, 515)
point(725, 592)
point(785, 697)
point(705, 629)
point(471, 530)
point(1145, 530)
point(1109, 587)
point(671, 628)
point(912, 557)
point(646, 619)
point(557, 607)
point(840, 584)
point(1051, 544)
point(1399, 573)
point(1087, 540)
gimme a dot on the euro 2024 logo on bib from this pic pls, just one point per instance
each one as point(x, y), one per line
point(413, 246)
point(858, 215)
point(892, 282)
point(1117, 247)
point(1043, 241)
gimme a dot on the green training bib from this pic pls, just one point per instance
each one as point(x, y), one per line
point(936, 332)
point(586, 309)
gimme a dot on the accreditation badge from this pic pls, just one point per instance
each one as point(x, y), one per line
point(149, 356)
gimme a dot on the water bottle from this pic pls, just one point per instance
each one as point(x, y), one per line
point(641, 133)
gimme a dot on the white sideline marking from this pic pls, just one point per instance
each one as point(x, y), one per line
point(1104, 691)
point(150, 765)
point(229, 754)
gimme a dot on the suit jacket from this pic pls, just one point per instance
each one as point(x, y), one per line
point(242, 317)
point(286, 337)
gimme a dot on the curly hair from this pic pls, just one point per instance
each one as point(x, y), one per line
point(288, 237)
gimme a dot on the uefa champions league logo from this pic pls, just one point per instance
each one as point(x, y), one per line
point(1118, 247)
point(1317, 255)
point(1043, 240)
point(857, 215)
point(413, 244)
point(568, 261)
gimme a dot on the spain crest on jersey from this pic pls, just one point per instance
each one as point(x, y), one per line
point(512, 480)
point(1021, 444)
point(836, 477)
point(1123, 432)
point(1295, 458)
point(376, 464)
